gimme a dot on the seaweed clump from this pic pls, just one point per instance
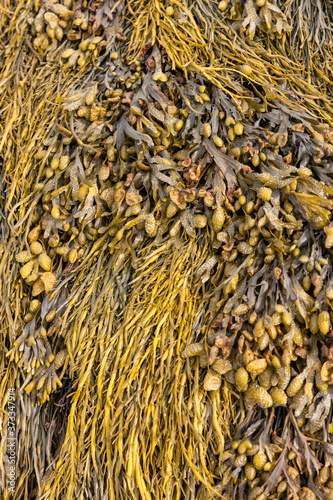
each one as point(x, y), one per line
point(166, 254)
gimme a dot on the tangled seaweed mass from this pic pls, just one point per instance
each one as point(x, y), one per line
point(166, 248)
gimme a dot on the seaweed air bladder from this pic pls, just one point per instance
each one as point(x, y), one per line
point(165, 254)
